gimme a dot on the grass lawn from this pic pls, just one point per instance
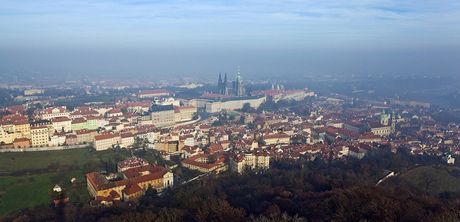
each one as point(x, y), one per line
point(24, 192)
point(10, 162)
point(22, 186)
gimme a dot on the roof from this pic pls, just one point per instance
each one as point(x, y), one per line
point(19, 140)
point(78, 120)
point(162, 108)
point(132, 189)
point(132, 162)
point(85, 131)
point(114, 111)
point(61, 119)
point(127, 135)
point(106, 136)
point(39, 127)
point(51, 109)
point(215, 147)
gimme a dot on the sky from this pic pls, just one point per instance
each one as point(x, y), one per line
point(267, 38)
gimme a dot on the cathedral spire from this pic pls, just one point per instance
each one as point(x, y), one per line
point(238, 73)
point(220, 84)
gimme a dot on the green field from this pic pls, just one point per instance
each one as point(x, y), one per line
point(10, 162)
point(24, 192)
point(434, 180)
point(27, 179)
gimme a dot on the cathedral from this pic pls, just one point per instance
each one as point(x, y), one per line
point(236, 89)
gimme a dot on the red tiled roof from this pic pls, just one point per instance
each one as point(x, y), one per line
point(60, 119)
point(106, 136)
point(132, 189)
point(19, 140)
point(78, 120)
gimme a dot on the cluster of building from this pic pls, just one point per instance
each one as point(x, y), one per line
point(132, 180)
point(105, 126)
point(332, 130)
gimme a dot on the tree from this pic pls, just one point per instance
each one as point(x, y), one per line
point(149, 197)
point(247, 108)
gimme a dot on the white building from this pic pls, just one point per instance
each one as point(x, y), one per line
point(234, 104)
point(258, 160)
point(127, 139)
point(62, 124)
point(53, 112)
point(57, 140)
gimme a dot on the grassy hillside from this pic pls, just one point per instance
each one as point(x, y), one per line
point(434, 180)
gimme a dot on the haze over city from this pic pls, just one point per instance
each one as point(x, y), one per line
point(293, 38)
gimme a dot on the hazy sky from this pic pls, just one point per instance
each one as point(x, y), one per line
point(202, 37)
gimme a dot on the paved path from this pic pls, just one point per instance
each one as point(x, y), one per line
point(195, 178)
point(188, 122)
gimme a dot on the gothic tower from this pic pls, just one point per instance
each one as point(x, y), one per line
point(239, 82)
point(225, 85)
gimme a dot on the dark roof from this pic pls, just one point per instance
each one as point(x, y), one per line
point(161, 108)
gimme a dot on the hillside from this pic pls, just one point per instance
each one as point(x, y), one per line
point(434, 180)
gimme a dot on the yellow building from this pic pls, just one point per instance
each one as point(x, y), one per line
point(39, 136)
point(7, 137)
point(381, 131)
point(12, 127)
point(253, 160)
point(23, 128)
point(184, 113)
point(163, 115)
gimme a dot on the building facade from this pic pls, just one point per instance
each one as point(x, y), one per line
point(234, 104)
point(39, 136)
point(163, 115)
point(106, 141)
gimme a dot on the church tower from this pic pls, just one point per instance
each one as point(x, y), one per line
point(393, 122)
point(238, 87)
point(219, 83)
point(225, 85)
